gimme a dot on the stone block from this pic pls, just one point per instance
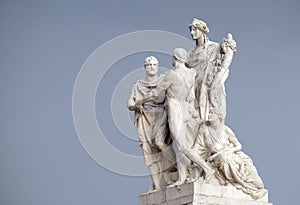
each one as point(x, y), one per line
point(198, 193)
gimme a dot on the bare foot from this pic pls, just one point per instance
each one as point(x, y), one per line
point(208, 175)
point(178, 183)
point(151, 189)
point(191, 180)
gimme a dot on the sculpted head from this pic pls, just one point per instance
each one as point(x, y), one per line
point(179, 56)
point(198, 29)
point(215, 118)
point(151, 66)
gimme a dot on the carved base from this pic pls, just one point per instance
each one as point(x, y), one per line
point(197, 193)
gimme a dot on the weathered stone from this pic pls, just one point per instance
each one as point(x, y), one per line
point(198, 193)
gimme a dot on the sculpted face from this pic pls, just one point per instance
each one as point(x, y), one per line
point(173, 61)
point(214, 119)
point(196, 33)
point(151, 68)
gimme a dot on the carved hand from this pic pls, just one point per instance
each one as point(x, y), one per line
point(212, 157)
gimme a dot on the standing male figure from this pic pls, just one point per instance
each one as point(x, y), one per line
point(151, 123)
point(179, 87)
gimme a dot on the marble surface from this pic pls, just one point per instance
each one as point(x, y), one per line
point(180, 119)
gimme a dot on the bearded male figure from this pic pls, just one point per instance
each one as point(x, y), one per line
point(152, 127)
point(179, 87)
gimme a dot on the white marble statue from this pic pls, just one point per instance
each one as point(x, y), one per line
point(190, 102)
point(233, 166)
point(211, 63)
point(152, 126)
point(179, 87)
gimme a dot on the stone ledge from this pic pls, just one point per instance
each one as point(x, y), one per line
point(197, 193)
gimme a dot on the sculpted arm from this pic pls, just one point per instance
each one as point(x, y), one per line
point(220, 77)
point(232, 139)
point(191, 96)
point(163, 86)
point(228, 46)
point(131, 100)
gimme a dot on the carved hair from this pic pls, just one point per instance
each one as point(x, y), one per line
point(180, 55)
point(150, 59)
point(201, 25)
point(215, 114)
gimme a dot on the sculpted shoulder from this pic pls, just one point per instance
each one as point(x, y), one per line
point(212, 43)
point(170, 74)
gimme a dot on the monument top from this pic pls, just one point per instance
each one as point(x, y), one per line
point(180, 119)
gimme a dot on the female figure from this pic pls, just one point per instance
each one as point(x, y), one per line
point(233, 166)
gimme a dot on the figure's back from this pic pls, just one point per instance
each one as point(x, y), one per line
point(182, 84)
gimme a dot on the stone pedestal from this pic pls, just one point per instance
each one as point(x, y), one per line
point(197, 193)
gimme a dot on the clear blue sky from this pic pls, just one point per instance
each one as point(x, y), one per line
point(43, 45)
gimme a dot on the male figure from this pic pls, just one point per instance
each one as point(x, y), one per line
point(151, 123)
point(179, 87)
point(211, 63)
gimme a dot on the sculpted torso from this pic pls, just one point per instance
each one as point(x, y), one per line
point(195, 101)
point(181, 82)
point(199, 57)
